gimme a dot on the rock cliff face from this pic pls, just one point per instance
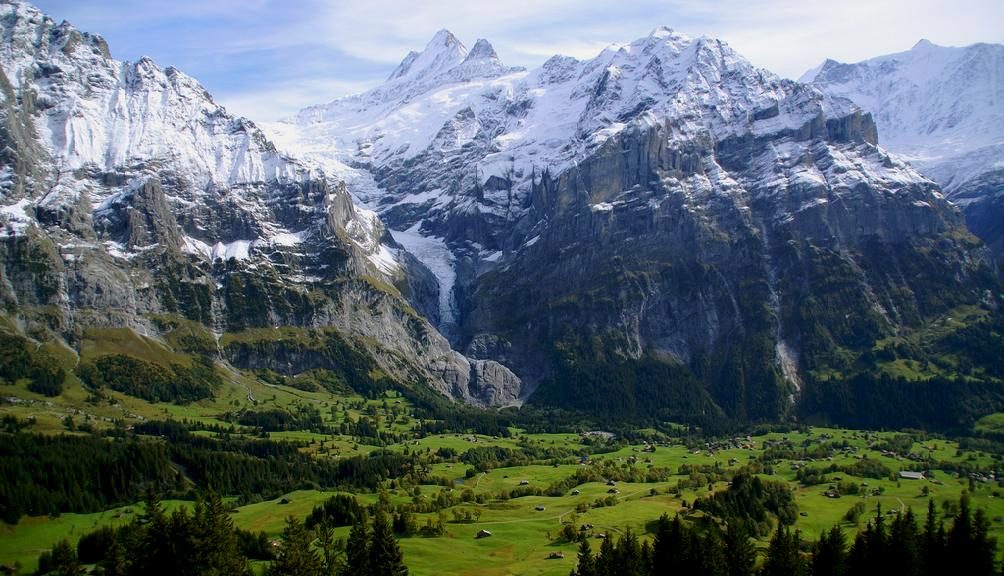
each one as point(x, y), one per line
point(752, 261)
point(941, 108)
point(127, 194)
point(662, 230)
point(664, 224)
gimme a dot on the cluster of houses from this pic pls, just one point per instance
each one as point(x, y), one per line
point(981, 477)
point(737, 443)
point(599, 434)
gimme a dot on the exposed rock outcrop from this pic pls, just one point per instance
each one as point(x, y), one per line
point(127, 193)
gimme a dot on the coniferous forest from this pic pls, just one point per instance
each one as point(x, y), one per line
point(205, 541)
point(900, 544)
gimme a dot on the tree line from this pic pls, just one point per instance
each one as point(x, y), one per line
point(899, 546)
point(157, 544)
point(206, 543)
point(152, 382)
point(20, 358)
point(54, 474)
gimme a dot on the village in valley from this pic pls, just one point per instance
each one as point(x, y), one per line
point(521, 502)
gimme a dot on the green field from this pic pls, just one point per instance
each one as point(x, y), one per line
point(525, 527)
point(523, 536)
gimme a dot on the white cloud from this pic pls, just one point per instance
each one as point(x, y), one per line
point(789, 37)
point(276, 102)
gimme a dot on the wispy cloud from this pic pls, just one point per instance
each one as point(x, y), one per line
point(268, 58)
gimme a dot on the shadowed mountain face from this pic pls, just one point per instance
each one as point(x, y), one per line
point(663, 229)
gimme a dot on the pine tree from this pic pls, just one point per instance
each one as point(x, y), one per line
point(216, 550)
point(646, 558)
point(712, 558)
point(63, 560)
point(692, 554)
point(960, 538)
point(933, 552)
point(296, 557)
point(385, 558)
point(783, 556)
point(670, 552)
point(156, 557)
point(586, 565)
point(627, 555)
point(741, 553)
point(904, 546)
point(984, 547)
point(606, 564)
point(114, 563)
point(857, 557)
point(181, 544)
point(662, 546)
point(830, 555)
point(331, 550)
point(357, 550)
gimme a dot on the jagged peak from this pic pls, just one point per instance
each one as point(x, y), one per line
point(443, 38)
point(443, 52)
point(30, 39)
point(482, 50)
point(481, 62)
point(665, 34)
point(24, 8)
point(812, 74)
point(661, 32)
point(923, 54)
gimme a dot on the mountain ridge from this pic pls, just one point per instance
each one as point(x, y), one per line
point(942, 108)
point(129, 193)
point(662, 231)
point(572, 198)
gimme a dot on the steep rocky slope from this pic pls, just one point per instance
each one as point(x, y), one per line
point(663, 229)
point(127, 196)
point(942, 108)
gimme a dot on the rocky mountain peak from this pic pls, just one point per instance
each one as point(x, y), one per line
point(141, 196)
point(442, 53)
point(404, 66)
point(482, 50)
point(630, 220)
point(481, 62)
point(942, 108)
point(661, 32)
point(444, 40)
point(931, 103)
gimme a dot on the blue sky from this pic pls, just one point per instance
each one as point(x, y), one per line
point(265, 59)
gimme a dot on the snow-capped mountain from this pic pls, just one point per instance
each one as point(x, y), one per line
point(665, 199)
point(127, 193)
point(664, 226)
point(453, 143)
point(511, 125)
point(942, 108)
